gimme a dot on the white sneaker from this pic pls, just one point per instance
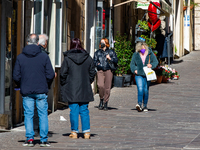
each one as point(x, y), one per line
point(145, 109)
point(138, 107)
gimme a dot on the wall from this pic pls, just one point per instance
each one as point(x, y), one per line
point(197, 26)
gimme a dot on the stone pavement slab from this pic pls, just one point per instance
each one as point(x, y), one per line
point(173, 122)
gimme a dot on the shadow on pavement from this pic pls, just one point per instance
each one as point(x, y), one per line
point(36, 141)
point(80, 135)
point(109, 108)
point(177, 61)
point(63, 108)
point(148, 109)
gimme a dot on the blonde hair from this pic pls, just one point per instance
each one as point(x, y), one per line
point(138, 46)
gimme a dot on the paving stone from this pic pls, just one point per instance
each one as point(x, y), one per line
point(173, 122)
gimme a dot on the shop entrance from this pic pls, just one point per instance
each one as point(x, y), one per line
point(6, 64)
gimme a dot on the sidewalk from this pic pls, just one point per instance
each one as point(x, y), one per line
point(173, 122)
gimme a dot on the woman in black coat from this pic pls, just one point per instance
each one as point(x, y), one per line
point(77, 74)
point(102, 58)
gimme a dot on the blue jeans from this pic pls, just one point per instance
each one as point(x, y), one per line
point(143, 89)
point(75, 110)
point(42, 107)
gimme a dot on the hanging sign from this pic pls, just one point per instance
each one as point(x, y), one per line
point(143, 6)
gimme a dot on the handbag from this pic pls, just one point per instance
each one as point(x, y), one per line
point(112, 65)
point(150, 74)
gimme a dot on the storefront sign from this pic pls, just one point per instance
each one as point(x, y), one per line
point(166, 7)
point(187, 31)
point(143, 6)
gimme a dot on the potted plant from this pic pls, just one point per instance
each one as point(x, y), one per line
point(193, 5)
point(124, 51)
point(184, 6)
point(143, 25)
point(151, 42)
point(158, 70)
point(175, 75)
point(167, 74)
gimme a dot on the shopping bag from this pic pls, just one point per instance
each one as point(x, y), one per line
point(150, 74)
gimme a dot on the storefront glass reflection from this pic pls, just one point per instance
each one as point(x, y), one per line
point(8, 65)
point(98, 27)
point(38, 16)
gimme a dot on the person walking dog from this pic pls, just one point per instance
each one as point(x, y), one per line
point(76, 75)
point(33, 73)
point(143, 56)
point(102, 58)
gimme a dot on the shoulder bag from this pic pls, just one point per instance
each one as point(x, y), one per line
point(150, 74)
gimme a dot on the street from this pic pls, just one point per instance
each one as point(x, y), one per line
point(172, 123)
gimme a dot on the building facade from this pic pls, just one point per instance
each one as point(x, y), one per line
point(61, 20)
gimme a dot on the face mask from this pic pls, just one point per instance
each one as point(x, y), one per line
point(142, 51)
point(103, 45)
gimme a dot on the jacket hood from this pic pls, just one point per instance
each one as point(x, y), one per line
point(77, 56)
point(31, 50)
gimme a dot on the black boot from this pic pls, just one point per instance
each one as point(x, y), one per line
point(101, 104)
point(105, 106)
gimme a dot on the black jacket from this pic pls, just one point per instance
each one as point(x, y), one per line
point(33, 71)
point(76, 75)
point(100, 60)
point(43, 50)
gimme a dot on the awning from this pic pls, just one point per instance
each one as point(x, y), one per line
point(165, 9)
point(128, 1)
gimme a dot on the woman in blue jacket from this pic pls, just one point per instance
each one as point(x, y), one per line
point(140, 59)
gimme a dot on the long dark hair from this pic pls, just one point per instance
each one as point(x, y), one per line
point(76, 44)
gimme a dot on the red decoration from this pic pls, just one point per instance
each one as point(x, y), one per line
point(104, 18)
point(154, 21)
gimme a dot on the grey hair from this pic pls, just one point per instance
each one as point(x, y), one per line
point(138, 46)
point(42, 39)
point(32, 39)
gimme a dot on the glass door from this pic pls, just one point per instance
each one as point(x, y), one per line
point(8, 69)
point(99, 20)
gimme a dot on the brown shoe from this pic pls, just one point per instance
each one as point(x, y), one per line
point(87, 135)
point(73, 135)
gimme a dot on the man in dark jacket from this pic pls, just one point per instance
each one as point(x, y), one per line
point(33, 73)
point(43, 39)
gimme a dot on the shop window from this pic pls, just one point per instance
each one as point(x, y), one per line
point(38, 16)
point(46, 16)
point(98, 27)
point(58, 37)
